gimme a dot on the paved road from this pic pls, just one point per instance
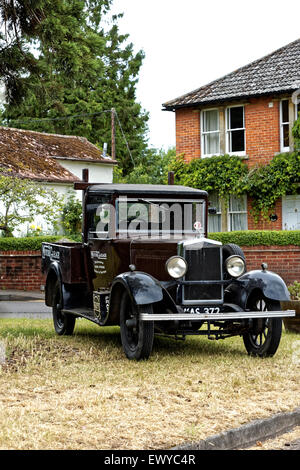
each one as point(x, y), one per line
point(24, 309)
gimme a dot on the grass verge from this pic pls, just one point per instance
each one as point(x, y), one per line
point(80, 392)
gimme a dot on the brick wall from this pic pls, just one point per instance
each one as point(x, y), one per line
point(21, 270)
point(265, 224)
point(262, 130)
point(188, 133)
point(283, 260)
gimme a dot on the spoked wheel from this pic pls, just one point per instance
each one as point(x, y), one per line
point(63, 324)
point(136, 335)
point(264, 337)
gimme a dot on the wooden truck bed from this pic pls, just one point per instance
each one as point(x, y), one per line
point(69, 256)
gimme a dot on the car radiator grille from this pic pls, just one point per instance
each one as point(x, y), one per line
point(203, 265)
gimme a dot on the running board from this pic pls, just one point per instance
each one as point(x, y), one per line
point(215, 316)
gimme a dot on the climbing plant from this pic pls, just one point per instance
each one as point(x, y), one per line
point(268, 183)
point(225, 174)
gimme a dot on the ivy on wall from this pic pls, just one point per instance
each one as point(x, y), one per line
point(229, 175)
point(224, 174)
point(268, 183)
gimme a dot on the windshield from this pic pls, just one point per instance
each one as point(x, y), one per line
point(160, 218)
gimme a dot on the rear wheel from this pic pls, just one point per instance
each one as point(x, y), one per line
point(63, 323)
point(136, 335)
point(264, 337)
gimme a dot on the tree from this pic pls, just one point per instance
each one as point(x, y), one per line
point(152, 168)
point(62, 58)
point(72, 215)
point(22, 200)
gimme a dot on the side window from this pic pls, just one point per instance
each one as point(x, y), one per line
point(99, 218)
point(284, 126)
point(235, 121)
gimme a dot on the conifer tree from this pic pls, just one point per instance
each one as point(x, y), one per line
point(61, 58)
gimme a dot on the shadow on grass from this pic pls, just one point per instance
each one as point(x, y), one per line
point(89, 334)
point(165, 346)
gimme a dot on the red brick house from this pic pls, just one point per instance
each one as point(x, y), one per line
point(250, 113)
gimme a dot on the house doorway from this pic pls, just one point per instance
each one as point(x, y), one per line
point(291, 212)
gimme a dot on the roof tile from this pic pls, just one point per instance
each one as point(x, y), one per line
point(277, 72)
point(35, 155)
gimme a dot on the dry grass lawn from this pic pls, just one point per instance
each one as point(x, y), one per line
point(80, 392)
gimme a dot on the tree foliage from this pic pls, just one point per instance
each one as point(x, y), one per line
point(152, 168)
point(61, 58)
point(22, 200)
point(72, 215)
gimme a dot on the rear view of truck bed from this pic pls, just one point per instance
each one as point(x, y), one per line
point(70, 258)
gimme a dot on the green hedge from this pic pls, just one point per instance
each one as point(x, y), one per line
point(258, 237)
point(243, 238)
point(26, 243)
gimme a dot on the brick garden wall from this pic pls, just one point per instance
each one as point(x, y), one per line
point(22, 270)
point(283, 260)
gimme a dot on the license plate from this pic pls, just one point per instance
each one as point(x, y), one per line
point(207, 310)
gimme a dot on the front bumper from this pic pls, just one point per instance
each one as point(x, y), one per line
point(215, 316)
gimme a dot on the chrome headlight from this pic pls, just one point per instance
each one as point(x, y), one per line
point(176, 267)
point(235, 266)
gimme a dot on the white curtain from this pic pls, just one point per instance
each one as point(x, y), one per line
point(210, 130)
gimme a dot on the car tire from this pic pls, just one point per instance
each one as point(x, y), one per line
point(232, 249)
point(264, 337)
point(63, 323)
point(136, 335)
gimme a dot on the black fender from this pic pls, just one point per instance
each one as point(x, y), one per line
point(72, 295)
point(270, 284)
point(142, 288)
point(53, 275)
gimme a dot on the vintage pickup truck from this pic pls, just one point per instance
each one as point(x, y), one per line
point(145, 264)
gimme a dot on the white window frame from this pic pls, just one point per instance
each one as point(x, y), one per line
point(282, 148)
point(228, 131)
point(204, 133)
point(230, 212)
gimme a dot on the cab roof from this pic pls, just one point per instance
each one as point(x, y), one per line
point(149, 189)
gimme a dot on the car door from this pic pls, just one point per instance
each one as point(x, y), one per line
point(100, 219)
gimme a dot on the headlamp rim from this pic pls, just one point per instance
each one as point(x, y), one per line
point(177, 257)
point(235, 256)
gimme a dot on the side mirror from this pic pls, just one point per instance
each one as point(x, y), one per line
point(212, 210)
